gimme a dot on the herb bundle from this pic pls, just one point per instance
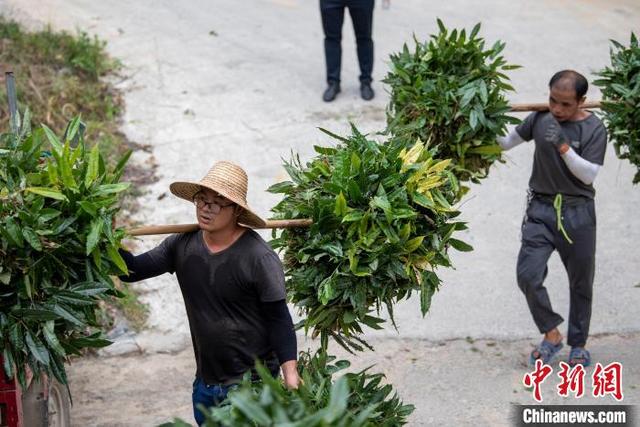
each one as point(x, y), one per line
point(449, 92)
point(620, 86)
point(57, 247)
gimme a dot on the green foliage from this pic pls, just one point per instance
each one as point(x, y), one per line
point(450, 93)
point(61, 75)
point(353, 400)
point(381, 225)
point(620, 86)
point(57, 247)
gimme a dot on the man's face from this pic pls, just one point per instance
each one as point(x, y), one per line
point(214, 212)
point(563, 103)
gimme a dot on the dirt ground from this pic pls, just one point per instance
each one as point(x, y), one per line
point(452, 383)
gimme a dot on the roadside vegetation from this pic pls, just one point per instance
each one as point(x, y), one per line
point(60, 75)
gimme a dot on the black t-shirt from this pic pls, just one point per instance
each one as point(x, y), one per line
point(550, 174)
point(223, 293)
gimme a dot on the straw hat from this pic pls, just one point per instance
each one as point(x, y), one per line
point(228, 180)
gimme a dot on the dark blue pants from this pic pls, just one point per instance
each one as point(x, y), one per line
point(361, 12)
point(207, 395)
point(540, 237)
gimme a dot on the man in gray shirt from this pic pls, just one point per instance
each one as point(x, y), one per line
point(570, 144)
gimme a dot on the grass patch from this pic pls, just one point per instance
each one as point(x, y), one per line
point(58, 76)
point(128, 306)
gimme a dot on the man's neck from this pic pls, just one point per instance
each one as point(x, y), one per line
point(221, 239)
point(580, 115)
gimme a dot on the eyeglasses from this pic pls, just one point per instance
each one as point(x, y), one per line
point(216, 205)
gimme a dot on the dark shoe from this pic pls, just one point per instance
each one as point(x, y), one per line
point(332, 91)
point(366, 92)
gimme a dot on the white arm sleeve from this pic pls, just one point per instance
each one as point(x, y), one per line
point(582, 169)
point(511, 140)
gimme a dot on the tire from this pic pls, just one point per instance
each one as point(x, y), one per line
point(40, 409)
point(58, 406)
point(34, 405)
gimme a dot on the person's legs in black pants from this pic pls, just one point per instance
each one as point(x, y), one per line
point(361, 12)
point(579, 261)
point(538, 239)
point(332, 12)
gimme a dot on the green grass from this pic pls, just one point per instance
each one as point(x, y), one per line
point(130, 307)
point(60, 75)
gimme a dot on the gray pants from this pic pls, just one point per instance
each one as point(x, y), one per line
point(540, 237)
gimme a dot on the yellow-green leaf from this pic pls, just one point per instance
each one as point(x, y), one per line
point(53, 139)
point(47, 192)
point(341, 205)
point(92, 168)
point(414, 244)
point(114, 256)
point(94, 234)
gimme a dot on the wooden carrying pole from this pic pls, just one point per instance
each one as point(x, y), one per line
point(545, 106)
point(186, 228)
point(291, 223)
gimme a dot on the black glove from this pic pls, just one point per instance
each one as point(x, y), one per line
point(555, 136)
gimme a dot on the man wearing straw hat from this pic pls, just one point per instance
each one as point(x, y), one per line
point(570, 143)
point(232, 283)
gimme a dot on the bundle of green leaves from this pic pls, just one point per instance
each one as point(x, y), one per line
point(57, 248)
point(620, 86)
point(450, 93)
point(382, 222)
point(353, 400)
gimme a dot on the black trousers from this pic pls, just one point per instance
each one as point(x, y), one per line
point(540, 237)
point(361, 12)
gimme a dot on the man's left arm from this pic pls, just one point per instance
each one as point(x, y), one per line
point(283, 340)
point(581, 167)
point(269, 274)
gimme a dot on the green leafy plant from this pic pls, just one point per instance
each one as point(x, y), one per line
point(449, 92)
point(620, 86)
point(353, 400)
point(57, 248)
point(382, 222)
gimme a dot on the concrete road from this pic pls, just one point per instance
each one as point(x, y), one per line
point(464, 382)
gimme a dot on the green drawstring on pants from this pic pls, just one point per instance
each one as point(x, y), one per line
point(557, 204)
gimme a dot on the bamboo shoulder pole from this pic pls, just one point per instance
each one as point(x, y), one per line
point(187, 228)
point(545, 106)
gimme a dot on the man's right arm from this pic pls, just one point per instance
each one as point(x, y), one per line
point(519, 134)
point(155, 262)
point(511, 140)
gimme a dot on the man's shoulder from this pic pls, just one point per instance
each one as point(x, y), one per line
point(180, 240)
point(594, 122)
point(534, 119)
point(255, 245)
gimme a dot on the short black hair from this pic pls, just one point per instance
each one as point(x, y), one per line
point(580, 83)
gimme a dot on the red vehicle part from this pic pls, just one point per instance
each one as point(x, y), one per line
point(10, 401)
point(44, 403)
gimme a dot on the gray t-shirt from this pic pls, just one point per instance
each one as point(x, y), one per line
point(550, 174)
point(223, 292)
